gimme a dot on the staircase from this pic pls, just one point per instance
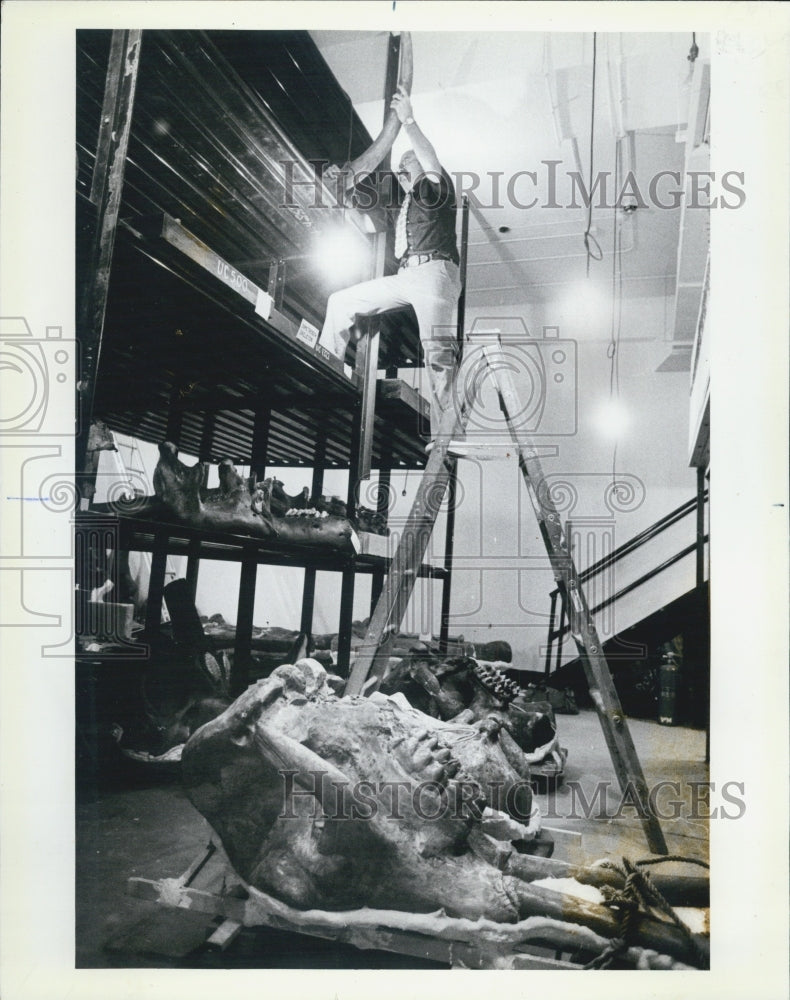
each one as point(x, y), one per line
point(643, 595)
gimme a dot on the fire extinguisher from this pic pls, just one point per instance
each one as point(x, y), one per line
point(669, 673)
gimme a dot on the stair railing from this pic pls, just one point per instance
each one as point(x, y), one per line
point(558, 622)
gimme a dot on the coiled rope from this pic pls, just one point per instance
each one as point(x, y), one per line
point(639, 892)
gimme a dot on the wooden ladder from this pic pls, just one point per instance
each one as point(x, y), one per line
point(484, 354)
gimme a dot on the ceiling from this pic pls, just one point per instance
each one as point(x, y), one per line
point(498, 104)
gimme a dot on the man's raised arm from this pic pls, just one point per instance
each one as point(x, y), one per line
point(367, 162)
point(423, 150)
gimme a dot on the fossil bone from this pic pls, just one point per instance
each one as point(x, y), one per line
point(461, 689)
point(239, 505)
point(303, 789)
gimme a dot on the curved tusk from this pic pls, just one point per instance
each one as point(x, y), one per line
point(327, 782)
point(367, 162)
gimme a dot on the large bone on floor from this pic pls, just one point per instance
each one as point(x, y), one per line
point(266, 772)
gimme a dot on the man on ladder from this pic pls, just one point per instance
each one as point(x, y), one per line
point(428, 276)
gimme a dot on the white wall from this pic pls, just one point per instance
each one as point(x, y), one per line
point(502, 590)
point(502, 581)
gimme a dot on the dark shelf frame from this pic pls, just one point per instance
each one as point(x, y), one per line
point(286, 430)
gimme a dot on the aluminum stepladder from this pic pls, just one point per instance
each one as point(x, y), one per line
point(483, 359)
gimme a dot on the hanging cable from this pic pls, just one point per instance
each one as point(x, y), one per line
point(591, 245)
point(694, 50)
point(692, 57)
point(613, 348)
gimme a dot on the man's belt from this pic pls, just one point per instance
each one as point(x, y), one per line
point(413, 259)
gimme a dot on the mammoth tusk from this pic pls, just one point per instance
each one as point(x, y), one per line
point(367, 162)
point(313, 773)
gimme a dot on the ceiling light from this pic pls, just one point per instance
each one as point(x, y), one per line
point(585, 308)
point(611, 418)
point(341, 253)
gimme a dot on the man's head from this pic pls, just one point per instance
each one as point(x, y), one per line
point(409, 168)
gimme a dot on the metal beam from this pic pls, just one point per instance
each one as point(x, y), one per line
point(390, 84)
point(106, 192)
point(156, 582)
point(204, 455)
point(242, 654)
point(449, 538)
point(346, 620)
point(308, 587)
point(700, 526)
point(367, 364)
point(260, 443)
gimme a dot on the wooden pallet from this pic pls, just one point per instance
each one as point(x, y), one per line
point(533, 943)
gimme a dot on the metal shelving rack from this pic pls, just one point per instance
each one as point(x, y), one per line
point(194, 326)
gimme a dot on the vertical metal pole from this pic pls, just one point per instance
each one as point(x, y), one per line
point(383, 508)
point(308, 588)
point(561, 629)
point(260, 443)
point(347, 584)
point(449, 541)
point(156, 583)
point(462, 270)
point(193, 558)
point(552, 611)
point(308, 600)
point(383, 244)
point(362, 447)
point(700, 583)
point(156, 578)
point(175, 418)
point(106, 191)
point(367, 364)
point(700, 526)
point(242, 657)
point(390, 83)
point(367, 367)
point(276, 283)
point(346, 619)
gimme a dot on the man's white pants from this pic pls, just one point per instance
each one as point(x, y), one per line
point(432, 289)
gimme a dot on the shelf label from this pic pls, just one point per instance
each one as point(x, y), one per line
point(181, 238)
point(177, 236)
point(307, 333)
point(263, 304)
point(328, 357)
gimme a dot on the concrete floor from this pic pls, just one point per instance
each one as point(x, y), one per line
point(145, 827)
point(666, 753)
